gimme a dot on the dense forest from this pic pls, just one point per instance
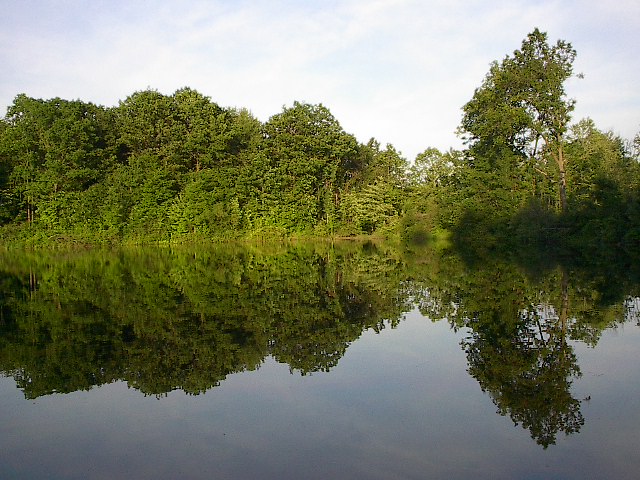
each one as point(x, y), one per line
point(176, 168)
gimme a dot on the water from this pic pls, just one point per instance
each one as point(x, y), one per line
point(312, 362)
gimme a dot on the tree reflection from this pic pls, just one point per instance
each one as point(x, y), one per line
point(185, 320)
point(527, 367)
point(162, 320)
point(520, 329)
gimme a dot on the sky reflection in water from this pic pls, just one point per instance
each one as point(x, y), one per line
point(398, 404)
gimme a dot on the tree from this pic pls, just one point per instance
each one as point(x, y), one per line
point(432, 168)
point(371, 208)
point(634, 148)
point(606, 186)
point(378, 164)
point(305, 159)
point(145, 121)
point(9, 203)
point(196, 140)
point(520, 113)
point(596, 157)
point(54, 147)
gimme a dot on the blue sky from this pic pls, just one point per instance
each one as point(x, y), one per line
point(396, 70)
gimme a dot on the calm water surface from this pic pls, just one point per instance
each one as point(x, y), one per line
point(313, 363)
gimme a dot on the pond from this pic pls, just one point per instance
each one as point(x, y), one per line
point(316, 361)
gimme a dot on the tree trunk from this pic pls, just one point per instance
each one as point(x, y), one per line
point(563, 177)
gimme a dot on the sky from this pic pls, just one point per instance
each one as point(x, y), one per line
point(396, 70)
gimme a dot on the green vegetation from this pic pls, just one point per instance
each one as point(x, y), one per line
point(179, 167)
point(176, 168)
point(543, 216)
point(528, 176)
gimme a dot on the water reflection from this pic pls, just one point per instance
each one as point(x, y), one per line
point(518, 352)
point(522, 327)
point(163, 320)
point(185, 320)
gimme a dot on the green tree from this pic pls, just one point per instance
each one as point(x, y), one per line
point(55, 147)
point(197, 134)
point(429, 194)
point(9, 201)
point(370, 208)
point(208, 205)
point(516, 122)
point(606, 187)
point(145, 122)
point(597, 156)
point(373, 196)
point(304, 160)
point(376, 164)
point(431, 167)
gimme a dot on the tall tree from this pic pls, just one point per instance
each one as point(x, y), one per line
point(520, 113)
point(309, 156)
point(54, 147)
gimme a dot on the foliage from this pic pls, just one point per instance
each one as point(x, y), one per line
point(177, 168)
point(528, 176)
point(174, 167)
point(516, 122)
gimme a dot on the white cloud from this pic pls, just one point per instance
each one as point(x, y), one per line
point(399, 70)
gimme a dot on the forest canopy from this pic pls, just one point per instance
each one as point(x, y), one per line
point(179, 167)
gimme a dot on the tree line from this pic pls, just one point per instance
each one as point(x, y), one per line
point(160, 167)
point(180, 167)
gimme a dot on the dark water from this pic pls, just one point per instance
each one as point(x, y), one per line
point(315, 362)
